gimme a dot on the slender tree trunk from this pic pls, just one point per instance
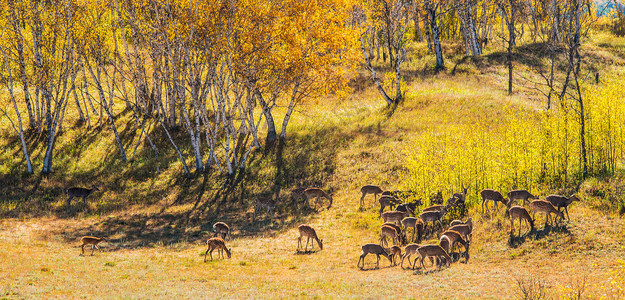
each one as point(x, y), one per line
point(271, 125)
point(376, 80)
point(440, 64)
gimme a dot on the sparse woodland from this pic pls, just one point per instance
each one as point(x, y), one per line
point(162, 118)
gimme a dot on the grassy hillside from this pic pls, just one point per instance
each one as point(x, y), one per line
point(156, 223)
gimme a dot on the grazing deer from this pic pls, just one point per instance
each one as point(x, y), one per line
point(433, 216)
point(409, 251)
point(520, 195)
point(374, 249)
point(559, 201)
point(387, 200)
point(395, 252)
point(388, 231)
point(434, 251)
point(369, 189)
point(445, 243)
point(519, 212)
point(309, 233)
point(492, 195)
point(465, 229)
point(394, 216)
point(80, 192)
point(544, 206)
point(267, 203)
point(454, 239)
point(91, 240)
point(219, 244)
point(417, 226)
point(221, 228)
point(458, 201)
point(316, 193)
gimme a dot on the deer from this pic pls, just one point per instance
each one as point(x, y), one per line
point(221, 228)
point(458, 200)
point(469, 222)
point(433, 251)
point(388, 231)
point(395, 252)
point(267, 203)
point(369, 189)
point(409, 207)
point(519, 212)
point(409, 251)
point(91, 240)
point(394, 216)
point(465, 229)
point(317, 193)
point(399, 230)
point(559, 201)
point(374, 249)
point(520, 195)
point(544, 206)
point(308, 232)
point(434, 208)
point(417, 226)
point(298, 194)
point(455, 238)
point(219, 244)
point(492, 195)
point(387, 200)
point(433, 216)
point(80, 192)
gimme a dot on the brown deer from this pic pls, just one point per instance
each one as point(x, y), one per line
point(409, 251)
point(454, 239)
point(519, 212)
point(395, 252)
point(492, 195)
point(417, 226)
point(373, 249)
point(369, 189)
point(559, 201)
point(399, 230)
point(544, 206)
point(219, 244)
point(390, 232)
point(465, 229)
point(267, 203)
point(387, 200)
point(91, 240)
point(298, 194)
point(394, 216)
point(434, 251)
point(80, 192)
point(520, 195)
point(222, 229)
point(316, 193)
point(469, 222)
point(309, 233)
point(433, 216)
point(435, 208)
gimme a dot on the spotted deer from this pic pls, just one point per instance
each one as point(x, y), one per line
point(409, 251)
point(465, 229)
point(544, 206)
point(492, 195)
point(373, 249)
point(520, 195)
point(218, 244)
point(433, 216)
point(394, 216)
point(316, 193)
point(308, 232)
point(369, 189)
point(91, 240)
point(400, 231)
point(559, 201)
point(454, 239)
point(395, 252)
point(80, 192)
point(387, 231)
point(519, 212)
point(221, 229)
point(267, 203)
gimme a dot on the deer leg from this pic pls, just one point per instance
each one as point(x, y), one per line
point(98, 247)
point(92, 248)
point(83, 249)
point(69, 200)
point(209, 247)
point(84, 201)
point(377, 263)
point(362, 198)
point(299, 242)
point(307, 239)
point(567, 213)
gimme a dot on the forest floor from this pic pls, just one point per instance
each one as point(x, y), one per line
point(157, 225)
